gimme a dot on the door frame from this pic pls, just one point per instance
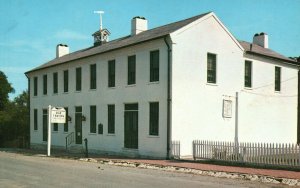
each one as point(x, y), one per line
point(78, 128)
point(131, 137)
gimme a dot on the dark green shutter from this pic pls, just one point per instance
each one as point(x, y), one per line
point(131, 70)
point(35, 117)
point(277, 78)
point(211, 68)
point(93, 76)
point(66, 81)
point(248, 74)
point(55, 82)
point(78, 79)
point(45, 124)
point(111, 119)
point(66, 125)
point(154, 66)
point(55, 126)
point(35, 86)
point(111, 73)
point(45, 84)
point(93, 119)
point(154, 118)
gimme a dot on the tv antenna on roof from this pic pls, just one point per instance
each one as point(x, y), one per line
point(100, 12)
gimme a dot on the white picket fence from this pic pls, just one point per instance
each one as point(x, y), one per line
point(257, 153)
point(175, 149)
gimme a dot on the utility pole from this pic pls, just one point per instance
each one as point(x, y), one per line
point(49, 130)
point(236, 131)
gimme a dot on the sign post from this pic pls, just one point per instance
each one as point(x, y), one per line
point(55, 115)
point(49, 130)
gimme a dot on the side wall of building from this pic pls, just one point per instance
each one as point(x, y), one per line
point(266, 115)
point(197, 106)
point(143, 92)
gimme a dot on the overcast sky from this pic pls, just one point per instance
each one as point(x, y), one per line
point(31, 29)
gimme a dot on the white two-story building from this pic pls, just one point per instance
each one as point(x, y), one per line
point(134, 95)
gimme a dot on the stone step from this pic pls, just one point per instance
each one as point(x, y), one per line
point(76, 149)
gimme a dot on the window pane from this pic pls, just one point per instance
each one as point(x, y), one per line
point(111, 119)
point(78, 79)
point(154, 66)
point(45, 84)
point(154, 118)
point(66, 81)
point(211, 68)
point(93, 76)
point(55, 82)
point(93, 119)
point(277, 78)
point(111, 73)
point(131, 69)
point(248, 74)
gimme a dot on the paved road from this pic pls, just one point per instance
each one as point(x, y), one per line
point(35, 171)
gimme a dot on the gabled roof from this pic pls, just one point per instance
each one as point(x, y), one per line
point(255, 49)
point(148, 35)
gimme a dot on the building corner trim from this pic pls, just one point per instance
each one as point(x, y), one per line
point(168, 100)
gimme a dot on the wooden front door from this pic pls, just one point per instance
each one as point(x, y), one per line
point(131, 126)
point(78, 125)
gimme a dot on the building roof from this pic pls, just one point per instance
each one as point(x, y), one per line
point(255, 49)
point(148, 35)
point(152, 34)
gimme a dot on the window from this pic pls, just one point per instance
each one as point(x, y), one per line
point(35, 120)
point(45, 124)
point(55, 82)
point(93, 76)
point(131, 70)
point(55, 127)
point(93, 119)
point(154, 66)
point(111, 73)
point(35, 86)
point(78, 79)
point(66, 81)
point(111, 119)
point(66, 125)
point(248, 74)
point(154, 118)
point(211, 68)
point(277, 78)
point(100, 128)
point(45, 84)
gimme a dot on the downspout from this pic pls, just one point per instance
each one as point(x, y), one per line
point(168, 100)
point(298, 106)
point(28, 107)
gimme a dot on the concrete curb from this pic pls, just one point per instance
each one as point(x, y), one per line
point(219, 174)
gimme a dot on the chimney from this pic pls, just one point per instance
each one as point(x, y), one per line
point(261, 39)
point(138, 25)
point(61, 50)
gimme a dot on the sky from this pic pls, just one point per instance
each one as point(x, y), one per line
point(31, 29)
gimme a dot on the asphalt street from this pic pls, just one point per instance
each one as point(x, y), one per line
point(17, 170)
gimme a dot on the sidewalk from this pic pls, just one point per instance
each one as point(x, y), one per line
point(209, 167)
point(168, 163)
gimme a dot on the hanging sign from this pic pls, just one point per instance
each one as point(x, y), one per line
point(58, 115)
